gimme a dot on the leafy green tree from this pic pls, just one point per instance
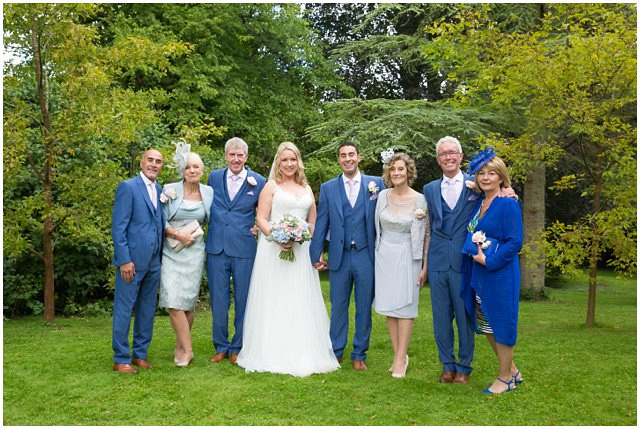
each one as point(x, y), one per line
point(71, 132)
point(378, 47)
point(573, 79)
point(410, 125)
point(254, 70)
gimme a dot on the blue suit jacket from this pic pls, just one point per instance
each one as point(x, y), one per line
point(230, 222)
point(444, 249)
point(137, 227)
point(330, 218)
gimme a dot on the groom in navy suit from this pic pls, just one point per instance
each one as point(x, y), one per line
point(137, 229)
point(231, 246)
point(346, 210)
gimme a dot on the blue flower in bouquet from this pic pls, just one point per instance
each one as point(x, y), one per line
point(289, 229)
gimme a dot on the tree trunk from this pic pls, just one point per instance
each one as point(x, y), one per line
point(594, 251)
point(45, 177)
point(532, 272)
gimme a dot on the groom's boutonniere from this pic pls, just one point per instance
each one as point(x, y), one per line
point(251, 180)
point(167, 195)
point(373, 188)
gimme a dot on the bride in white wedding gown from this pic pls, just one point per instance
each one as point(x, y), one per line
point(286, 327)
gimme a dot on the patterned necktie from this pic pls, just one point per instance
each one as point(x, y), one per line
point(450, 194)
point(235, 185)
point(353, 195)
point(154, 195)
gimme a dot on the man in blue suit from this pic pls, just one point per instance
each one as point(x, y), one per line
point(451, 204)
point(231, 245)
point(137, 229)
point(346, 211)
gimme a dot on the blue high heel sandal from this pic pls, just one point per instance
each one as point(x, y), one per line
point(508, 383)
point(515, 378)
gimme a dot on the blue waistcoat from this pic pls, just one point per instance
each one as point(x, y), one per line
point(354, 226)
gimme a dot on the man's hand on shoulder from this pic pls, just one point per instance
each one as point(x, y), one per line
point(508, 192)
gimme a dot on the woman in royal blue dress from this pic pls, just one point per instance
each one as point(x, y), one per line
point(491, 277)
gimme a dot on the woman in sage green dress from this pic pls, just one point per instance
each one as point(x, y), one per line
point(182, 264)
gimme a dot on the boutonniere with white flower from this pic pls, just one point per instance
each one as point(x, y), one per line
point(479, 237)
point(373, 188)
point(251, 180)
point(470, 184)
point(168, 194)
point(420, 214)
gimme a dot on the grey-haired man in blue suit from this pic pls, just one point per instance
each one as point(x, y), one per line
point(231, 245)
point(137, 229)
point(451, 204)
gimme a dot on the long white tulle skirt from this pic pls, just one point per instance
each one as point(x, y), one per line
point(286, 326)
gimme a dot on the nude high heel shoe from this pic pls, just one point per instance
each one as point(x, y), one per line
point(403, 373)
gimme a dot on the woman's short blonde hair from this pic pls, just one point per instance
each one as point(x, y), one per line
point(496, 164)
point(300, 177)
point(412, 172)
point(192, 158)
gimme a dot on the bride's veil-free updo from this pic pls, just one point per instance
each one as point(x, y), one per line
point(300, 178)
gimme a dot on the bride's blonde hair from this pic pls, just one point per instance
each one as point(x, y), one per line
point(300, 178)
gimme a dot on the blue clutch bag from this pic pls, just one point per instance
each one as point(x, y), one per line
point(471, 248)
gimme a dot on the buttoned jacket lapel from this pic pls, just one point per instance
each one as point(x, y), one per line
point(337, 191)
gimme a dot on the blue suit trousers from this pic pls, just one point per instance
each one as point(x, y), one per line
point(138, 297)
point(220, 269)
point(445, 304)
point(356, 268)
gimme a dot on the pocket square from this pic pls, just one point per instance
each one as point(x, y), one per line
point(472, 197)
point(373, 197)
point(250, 193)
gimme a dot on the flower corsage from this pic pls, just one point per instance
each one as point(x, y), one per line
point(168, 194)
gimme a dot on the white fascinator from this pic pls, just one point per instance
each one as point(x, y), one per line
point(181, 157)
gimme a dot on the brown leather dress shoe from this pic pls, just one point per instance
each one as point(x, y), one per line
point(234, 358)
point(359, 365)
point(447, 376)
point(142, 363)
point(218, 357)
point(340, 360)
point(124, 368)
point(461, 378)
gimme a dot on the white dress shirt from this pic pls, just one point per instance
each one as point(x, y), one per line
point(151, 189)
point(458, 184)
point(357, 179)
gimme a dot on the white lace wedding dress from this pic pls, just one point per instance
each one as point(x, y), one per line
point(286, 327)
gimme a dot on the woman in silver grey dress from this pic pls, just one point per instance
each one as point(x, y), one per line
point(182, 266)
point(402, 239)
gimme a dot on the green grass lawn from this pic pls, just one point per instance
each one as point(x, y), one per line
point(61, 375)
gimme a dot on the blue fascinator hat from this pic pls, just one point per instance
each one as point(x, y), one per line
point(481, 159)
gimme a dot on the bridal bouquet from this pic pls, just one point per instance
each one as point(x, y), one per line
point(289, 229)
